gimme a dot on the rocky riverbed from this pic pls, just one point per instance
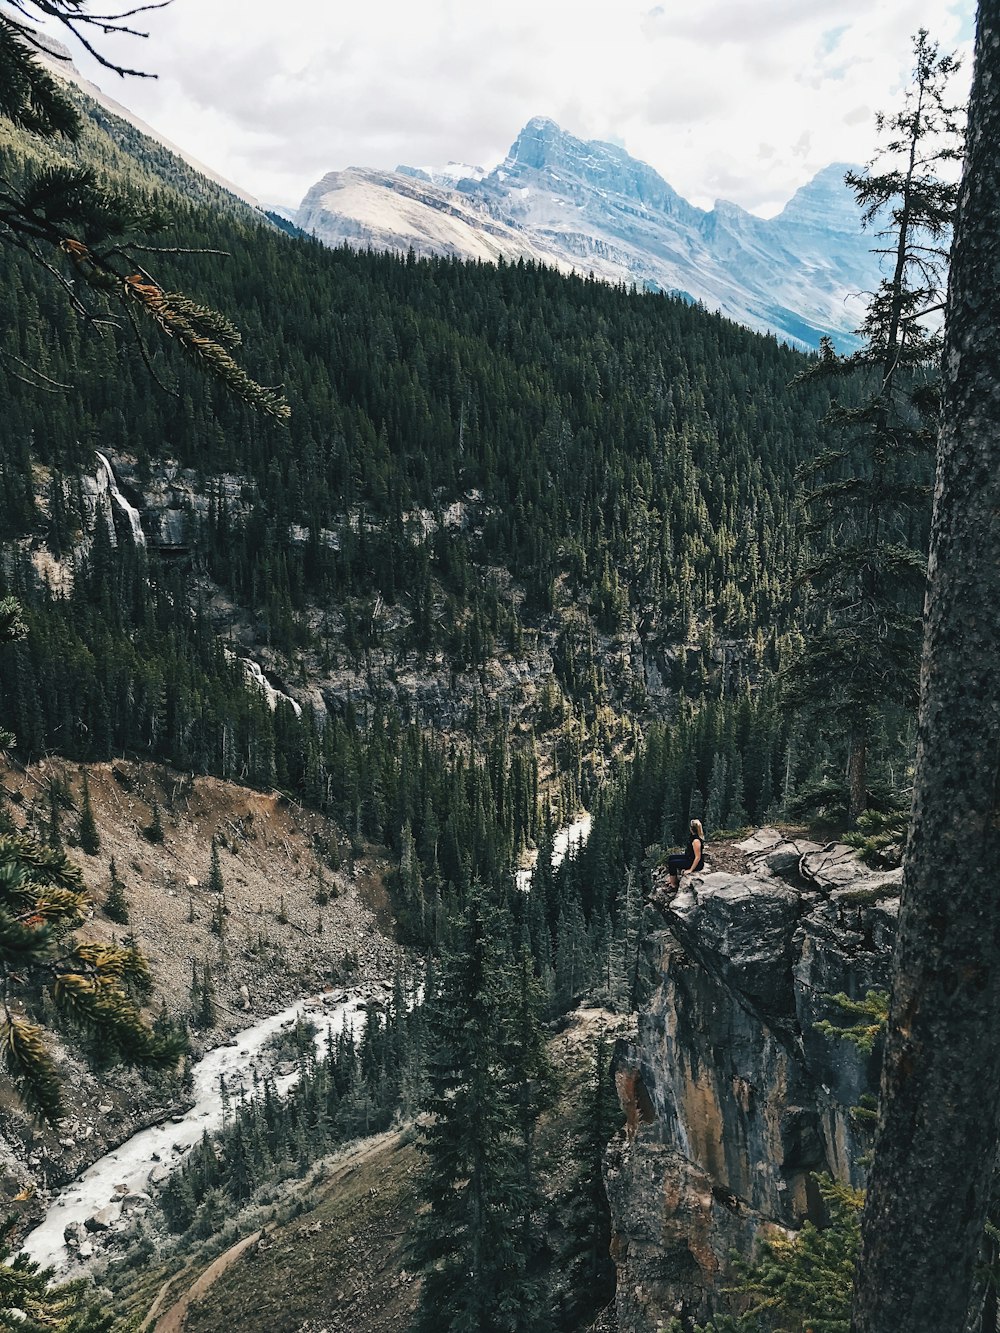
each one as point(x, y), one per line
point(302, 912)
point(83, 1216)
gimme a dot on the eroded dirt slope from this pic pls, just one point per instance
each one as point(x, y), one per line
point(292, 924)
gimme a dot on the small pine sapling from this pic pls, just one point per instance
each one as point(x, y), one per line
point(90, 839)
point(215, 880)
point(870, 1016)
point(116, 904)
point(153, 832)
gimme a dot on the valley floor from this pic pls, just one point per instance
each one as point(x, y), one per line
point(299, 914)
point(335, 1260)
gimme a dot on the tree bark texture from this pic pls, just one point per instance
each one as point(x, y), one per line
point(940, 1117)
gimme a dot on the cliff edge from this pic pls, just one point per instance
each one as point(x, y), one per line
point(733, 1099)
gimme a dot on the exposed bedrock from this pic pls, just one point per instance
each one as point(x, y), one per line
point(733, 1099)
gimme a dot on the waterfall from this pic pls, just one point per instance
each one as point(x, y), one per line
point(568, 839)
point(130, 512)
point(272, 695)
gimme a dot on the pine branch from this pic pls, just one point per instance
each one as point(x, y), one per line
point(32, 1069)
point(99, 231)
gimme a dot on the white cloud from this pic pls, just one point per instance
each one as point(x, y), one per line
point(743, 97)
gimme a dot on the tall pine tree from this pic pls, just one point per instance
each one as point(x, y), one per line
point(868, 497)
point(472, 1244)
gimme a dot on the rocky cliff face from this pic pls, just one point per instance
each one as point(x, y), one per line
point(733, 1098)
point(642, 668)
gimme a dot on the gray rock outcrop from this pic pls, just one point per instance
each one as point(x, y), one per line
point(105, 1218)
point(733, 1099)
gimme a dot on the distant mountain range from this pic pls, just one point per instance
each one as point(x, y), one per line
point(590, 207)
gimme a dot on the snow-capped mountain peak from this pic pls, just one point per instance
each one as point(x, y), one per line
point(590, 206)
point(824, 202)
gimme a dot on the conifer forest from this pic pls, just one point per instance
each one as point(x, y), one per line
point(374, 624)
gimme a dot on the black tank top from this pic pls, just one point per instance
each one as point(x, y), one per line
point(696, 864)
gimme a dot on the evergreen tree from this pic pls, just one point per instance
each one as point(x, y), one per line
point(623, 960)
point(90, 839)
point(869, 490)
point(12, 628)
point(42, 902)
point(588, 1280)
point(153, 831)
point(219, 910)
point(206, 1012)
point(215, 881)
point(116, 904)
point(921, 1234)
point(532, 1088)
point(574, 963)
point(470, 1244)
point(55, 797)
point(217, 887)
point(802, 1281)
point(94, 240)
point(29, 1301)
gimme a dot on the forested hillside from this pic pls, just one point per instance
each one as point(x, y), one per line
point(530, 510)
point(621, 454)
point(527, 543)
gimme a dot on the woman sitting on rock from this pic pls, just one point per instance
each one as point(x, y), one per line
point(691, 860)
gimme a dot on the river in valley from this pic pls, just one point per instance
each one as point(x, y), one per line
point(571, 835)
point(161, 1147)
point(149, 1155)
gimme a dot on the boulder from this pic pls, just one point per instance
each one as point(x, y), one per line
point(833, 866)
point(740, 928)
point(764, 837)
point(783, 859)
point(105, 1218)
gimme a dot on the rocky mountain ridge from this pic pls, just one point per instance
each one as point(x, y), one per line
point(166, 503)
point(734, 1098)
point(590, 207)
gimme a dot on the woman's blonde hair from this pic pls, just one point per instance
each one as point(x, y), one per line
point(697, 829)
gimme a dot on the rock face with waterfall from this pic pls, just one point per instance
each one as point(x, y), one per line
point(733, 1098)
point(108, 482)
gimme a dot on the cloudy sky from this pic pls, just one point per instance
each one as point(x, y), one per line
point(738, 99)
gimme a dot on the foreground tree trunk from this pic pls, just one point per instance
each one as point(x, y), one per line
point(938, 1130)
